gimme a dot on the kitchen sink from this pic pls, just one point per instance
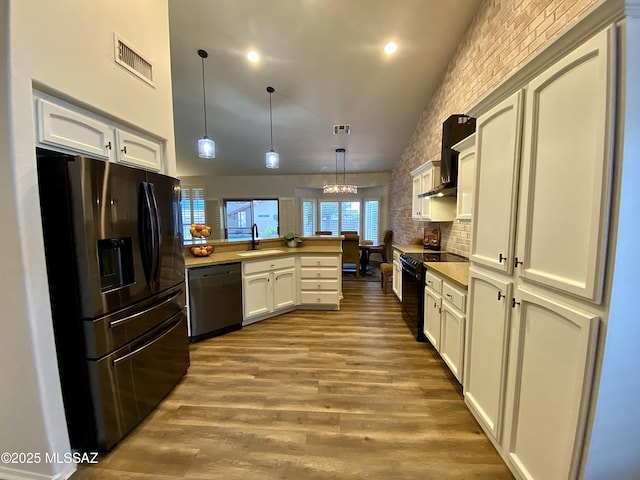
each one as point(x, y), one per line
point(254, 253)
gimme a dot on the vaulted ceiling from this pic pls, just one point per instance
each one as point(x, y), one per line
point(325, 60)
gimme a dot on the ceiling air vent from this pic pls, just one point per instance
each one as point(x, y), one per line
point(341, 129)
point(132, 60)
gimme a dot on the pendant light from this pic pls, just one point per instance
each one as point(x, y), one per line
point(341, 188)
point(272, 159)
point(206, 146)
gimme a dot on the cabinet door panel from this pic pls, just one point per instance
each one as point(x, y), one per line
point(452, 339)
point(498, 134)
point(69, 129)
point(486, 349)
point(256, 295)
point(416, 202)
point(567, 163)
point(466, 177)
point(555, 349)
point(431, 329)
point(138, 151)
point(284, 289)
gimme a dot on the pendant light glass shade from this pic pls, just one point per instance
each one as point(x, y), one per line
point(272, 158)
point(206, 146)
point(340, 188)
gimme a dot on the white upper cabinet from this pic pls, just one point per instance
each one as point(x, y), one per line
point(566, 171)
point(466, 176)
point(433, 209)
point(138, 151)
point(498, 134)
point(62, 127)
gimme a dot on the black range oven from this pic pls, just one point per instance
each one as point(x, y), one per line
point(413, 273)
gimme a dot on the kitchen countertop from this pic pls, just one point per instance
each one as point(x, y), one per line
point(329, 246)
point(457, 272)
point(409, 248)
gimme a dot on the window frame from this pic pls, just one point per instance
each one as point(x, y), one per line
point(252, 219)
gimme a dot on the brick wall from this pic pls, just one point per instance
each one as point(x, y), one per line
point(502, 37)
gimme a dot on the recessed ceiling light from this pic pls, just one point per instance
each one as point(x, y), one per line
point(253, 56)
point(390, 48)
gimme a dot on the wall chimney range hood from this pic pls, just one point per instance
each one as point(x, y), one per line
point(454, 129)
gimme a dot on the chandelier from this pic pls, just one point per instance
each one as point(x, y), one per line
point(343, 187)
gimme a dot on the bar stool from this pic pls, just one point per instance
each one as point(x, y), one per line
point(386, 272)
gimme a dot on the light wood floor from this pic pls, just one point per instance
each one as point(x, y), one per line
point(311, 395)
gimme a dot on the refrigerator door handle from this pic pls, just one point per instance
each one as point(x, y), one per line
point(147, 233)
point(141, 348)
point(169, 299)
point(155, 220)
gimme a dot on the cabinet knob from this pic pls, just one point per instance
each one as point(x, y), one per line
point(108, 146)
point(501, 258)
point(448, 295)
point(516, 262)
point(500, 295)
point(124, 150)
point(514, 303)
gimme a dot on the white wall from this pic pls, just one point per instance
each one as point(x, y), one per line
point(64, 48)
point(615, 437)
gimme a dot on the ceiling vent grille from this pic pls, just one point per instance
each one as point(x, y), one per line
point(341, 129)
point(132, 60)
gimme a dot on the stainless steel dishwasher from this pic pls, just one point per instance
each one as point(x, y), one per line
point(215, 300)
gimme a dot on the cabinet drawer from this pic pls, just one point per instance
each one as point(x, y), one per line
point(309, 298)
point(310, 273)
point(328, 261)
point(454, 296)
point(317, 285)
point(433, 281)
point(268, 265)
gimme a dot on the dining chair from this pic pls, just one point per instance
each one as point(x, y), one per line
point(384, 249)
point(351, 252)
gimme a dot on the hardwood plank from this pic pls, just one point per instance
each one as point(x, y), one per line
point(311, 395)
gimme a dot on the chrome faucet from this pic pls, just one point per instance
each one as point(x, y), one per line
point(254, 236)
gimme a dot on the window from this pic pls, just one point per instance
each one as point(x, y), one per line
point(350, 216)
point(371, 220)
point(345, 216)
point(329, 217)
point(192, 207)
point(308, 218)
point(242, 214)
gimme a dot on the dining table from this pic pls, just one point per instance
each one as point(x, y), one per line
point(364, 256)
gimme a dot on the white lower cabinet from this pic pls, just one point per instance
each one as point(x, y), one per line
point(320, 280)
point(444, 320)
point(396, 279)
point(268, 286)
point(553, 349)
point(432, 314)
point(487, 337)
point(452, 338)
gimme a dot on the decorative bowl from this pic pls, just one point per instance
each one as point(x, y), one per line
point(201, 250)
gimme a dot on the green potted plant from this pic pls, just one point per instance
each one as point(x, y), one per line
point(292, 239)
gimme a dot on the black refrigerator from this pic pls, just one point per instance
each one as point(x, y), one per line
point(115, 267)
